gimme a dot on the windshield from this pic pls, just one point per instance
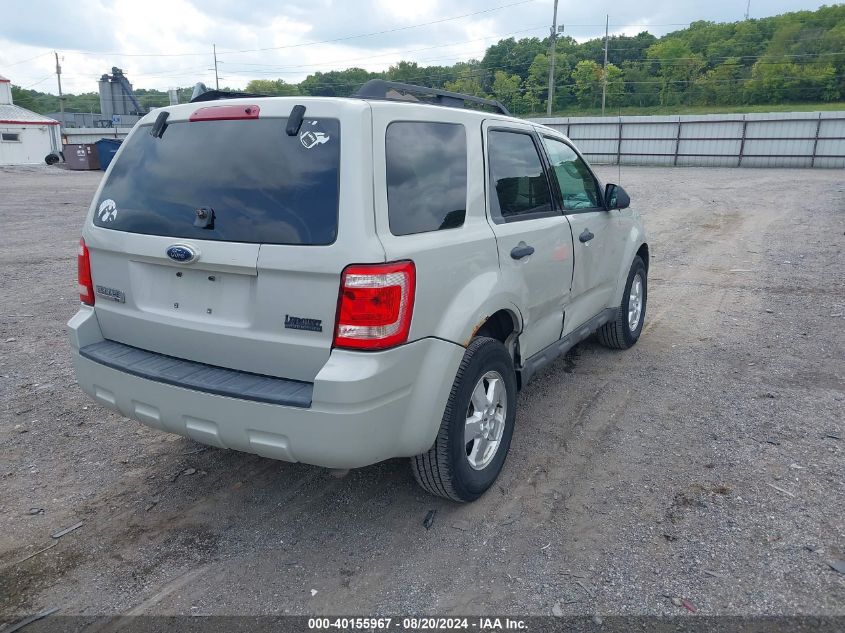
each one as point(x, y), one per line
point(238, 181)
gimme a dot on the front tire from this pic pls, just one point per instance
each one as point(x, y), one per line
point(477, 426)
point(625, 330)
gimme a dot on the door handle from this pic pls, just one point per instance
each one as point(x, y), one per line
point(521, 250)
point(585, 236)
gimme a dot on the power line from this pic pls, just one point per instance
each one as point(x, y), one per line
point(39, 81)
point(23, 61)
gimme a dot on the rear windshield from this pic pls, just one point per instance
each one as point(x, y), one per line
point(235, 181)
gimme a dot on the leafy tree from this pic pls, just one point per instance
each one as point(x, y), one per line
point(406, 72)
point(467, 85)
point(336, 83)
point(513, 56)
point(615, 86)
point(24, 98)
point(722, 84)
point(587, 78)
point(537, 82)
point(507, 89)
point(642, 89)
point(677, 66)
point(275, 87)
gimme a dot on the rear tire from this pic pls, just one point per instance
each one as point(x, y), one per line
point(623, 332)
point(477, 426)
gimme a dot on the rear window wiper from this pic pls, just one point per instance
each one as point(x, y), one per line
point(295, 120)
point(160, 125)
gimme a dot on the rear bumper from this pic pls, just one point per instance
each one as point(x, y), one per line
point(366, 407)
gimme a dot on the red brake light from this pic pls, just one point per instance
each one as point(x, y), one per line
point(83, 267)
point(375, 305)
point(225, 113)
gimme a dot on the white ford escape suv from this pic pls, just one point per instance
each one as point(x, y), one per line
point(340, 281)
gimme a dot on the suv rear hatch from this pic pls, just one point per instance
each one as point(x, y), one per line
point(222, 241)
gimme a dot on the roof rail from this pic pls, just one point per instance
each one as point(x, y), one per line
point(380, 89)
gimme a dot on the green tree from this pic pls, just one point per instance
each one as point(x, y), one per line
point(407, 72)
point(678, 68)
point(721, 85)
point(467, 85)
point(587, 78)
point(512, 56)
point(274, 87)
point(336, 83)
point(641, 86)
point(537, 82)
point(25, 98)
point(508, 89)
point(615, 86)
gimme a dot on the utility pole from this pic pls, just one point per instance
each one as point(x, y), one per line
point(552, 63)
point(216, 78)
point(604, 69)
point(59, 78)
point(747, 9)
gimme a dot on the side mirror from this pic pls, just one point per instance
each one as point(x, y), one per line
point(615, 197)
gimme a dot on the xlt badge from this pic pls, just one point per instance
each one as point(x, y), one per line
point(300, 323)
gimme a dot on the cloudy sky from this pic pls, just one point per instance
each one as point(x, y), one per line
point(167, 43)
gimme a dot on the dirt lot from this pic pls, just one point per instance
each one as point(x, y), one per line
point(705, 464)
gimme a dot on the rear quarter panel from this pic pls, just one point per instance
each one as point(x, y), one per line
point(458, 276)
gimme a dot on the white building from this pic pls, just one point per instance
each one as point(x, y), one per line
point(25, 137)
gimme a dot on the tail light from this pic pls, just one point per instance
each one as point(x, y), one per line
point(375, 305)
point(83, 265)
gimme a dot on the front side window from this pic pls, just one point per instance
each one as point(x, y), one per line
point(426, 176)
point(578, 188)
point(518, 185)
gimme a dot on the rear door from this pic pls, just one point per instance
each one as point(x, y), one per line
point(596, 254)
point(222, 241)
point(533, 237)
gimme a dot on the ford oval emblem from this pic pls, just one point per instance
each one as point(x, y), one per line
point(182, 253)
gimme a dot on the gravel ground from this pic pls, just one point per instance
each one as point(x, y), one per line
point(704, 464)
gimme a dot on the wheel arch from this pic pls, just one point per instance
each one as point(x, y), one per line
point(642, 251)
point(635, 244)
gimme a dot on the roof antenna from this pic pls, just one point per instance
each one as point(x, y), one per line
point(199, 88)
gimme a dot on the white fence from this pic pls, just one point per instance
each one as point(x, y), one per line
point(93, 134)
point(787, 139)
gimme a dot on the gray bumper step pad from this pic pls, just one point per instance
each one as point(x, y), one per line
point(199, 376)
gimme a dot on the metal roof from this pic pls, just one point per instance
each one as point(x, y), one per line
point(10, 113)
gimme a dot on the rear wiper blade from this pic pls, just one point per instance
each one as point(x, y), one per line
point(295, 120)
point(160, 125)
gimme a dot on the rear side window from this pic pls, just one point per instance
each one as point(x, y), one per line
point(262, 185)
point(518, 185)
point(426, 176)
